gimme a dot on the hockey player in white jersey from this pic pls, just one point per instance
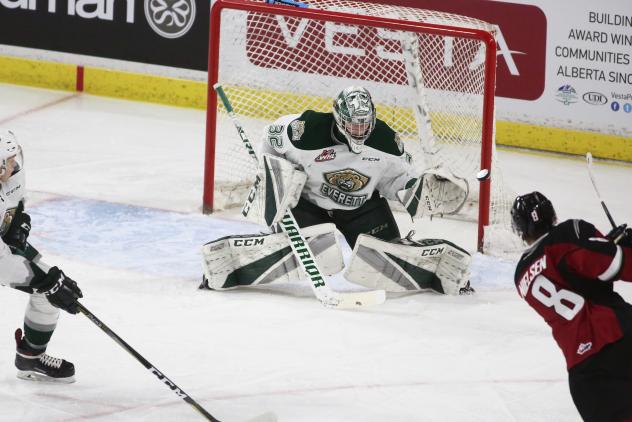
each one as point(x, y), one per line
point(20, 267)
point(336, 171)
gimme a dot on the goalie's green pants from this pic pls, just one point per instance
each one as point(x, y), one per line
point(374, 217)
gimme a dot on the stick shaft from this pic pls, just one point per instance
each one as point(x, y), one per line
point(288, 222)
point(129, 349)
point(589, 162)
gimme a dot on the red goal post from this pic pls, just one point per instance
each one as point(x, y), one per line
point(257, 96)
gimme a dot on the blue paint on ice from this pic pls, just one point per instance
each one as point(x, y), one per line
point(127, 237)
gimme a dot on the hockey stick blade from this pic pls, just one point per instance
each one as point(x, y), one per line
point(360, 299)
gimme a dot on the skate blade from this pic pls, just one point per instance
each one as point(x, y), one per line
point(36, 376)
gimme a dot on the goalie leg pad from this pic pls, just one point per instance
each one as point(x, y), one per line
point(406, 265)
point(248, 260)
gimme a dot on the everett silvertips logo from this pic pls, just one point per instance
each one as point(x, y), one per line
point(326, 155)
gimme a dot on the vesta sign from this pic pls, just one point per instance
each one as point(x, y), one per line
point(376, 54)
point(372, 54)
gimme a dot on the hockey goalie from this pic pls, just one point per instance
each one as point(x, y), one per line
point(337, 171)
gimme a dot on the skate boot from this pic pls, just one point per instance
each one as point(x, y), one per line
point(467, 289)
point(35, 365)
point(205, 284)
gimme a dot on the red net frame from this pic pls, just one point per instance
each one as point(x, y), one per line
point(487, 38)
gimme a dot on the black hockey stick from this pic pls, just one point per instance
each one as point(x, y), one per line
point(267, 417)
point(589, 161)
point(618, 232)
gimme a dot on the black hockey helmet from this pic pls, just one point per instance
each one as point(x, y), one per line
point(532, 215)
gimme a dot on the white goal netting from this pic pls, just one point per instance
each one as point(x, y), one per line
point(428, 84)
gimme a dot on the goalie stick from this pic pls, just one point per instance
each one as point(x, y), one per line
point(300, 247)
point(266, 417)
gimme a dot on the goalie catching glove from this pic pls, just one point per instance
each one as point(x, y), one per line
point(437, 191)
point(278, 187)
point(408, 265)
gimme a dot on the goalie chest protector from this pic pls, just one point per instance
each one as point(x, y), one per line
point(337, 177)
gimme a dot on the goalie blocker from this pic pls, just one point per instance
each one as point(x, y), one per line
point(277, 188)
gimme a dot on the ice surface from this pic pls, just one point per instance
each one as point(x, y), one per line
point(116, 191)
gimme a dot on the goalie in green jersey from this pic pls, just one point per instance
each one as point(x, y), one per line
point(338, 170)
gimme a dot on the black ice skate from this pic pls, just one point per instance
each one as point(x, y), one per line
point(204, 284)
point(467, 289)
point(36, 365)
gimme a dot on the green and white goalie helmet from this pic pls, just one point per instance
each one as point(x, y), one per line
point(9, 148)
point(355, 116)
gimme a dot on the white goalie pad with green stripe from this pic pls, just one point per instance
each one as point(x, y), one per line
point(249, 260)
point(407, 265)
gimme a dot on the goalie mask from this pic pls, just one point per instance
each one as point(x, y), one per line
point(9, 149)
point(532, 215)
point(355, 116)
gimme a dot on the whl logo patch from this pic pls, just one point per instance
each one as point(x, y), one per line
point(584, 347)
point(326, 155)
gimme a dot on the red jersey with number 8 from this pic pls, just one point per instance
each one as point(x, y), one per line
point(567, 277)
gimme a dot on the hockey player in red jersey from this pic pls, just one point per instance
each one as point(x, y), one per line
point(566, 275)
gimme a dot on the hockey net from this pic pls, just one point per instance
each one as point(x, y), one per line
point(431, 75)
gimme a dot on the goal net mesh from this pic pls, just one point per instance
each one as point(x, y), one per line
point(430, 88)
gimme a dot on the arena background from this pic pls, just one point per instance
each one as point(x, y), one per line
point(564, 73)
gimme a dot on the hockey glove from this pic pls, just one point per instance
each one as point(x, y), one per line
point(437, 191)
point(19, 229)
point(60, 290)
point(621, 235)
point(626, 238)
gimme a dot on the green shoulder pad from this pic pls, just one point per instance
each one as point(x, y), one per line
point(385, 139)
point(311, 131)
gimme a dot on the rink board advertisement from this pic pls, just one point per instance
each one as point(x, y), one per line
point(570, 59)
point(163, 32)
point(564, 64)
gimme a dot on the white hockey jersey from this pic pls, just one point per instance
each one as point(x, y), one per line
point(338, 178)
point(15, 270)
